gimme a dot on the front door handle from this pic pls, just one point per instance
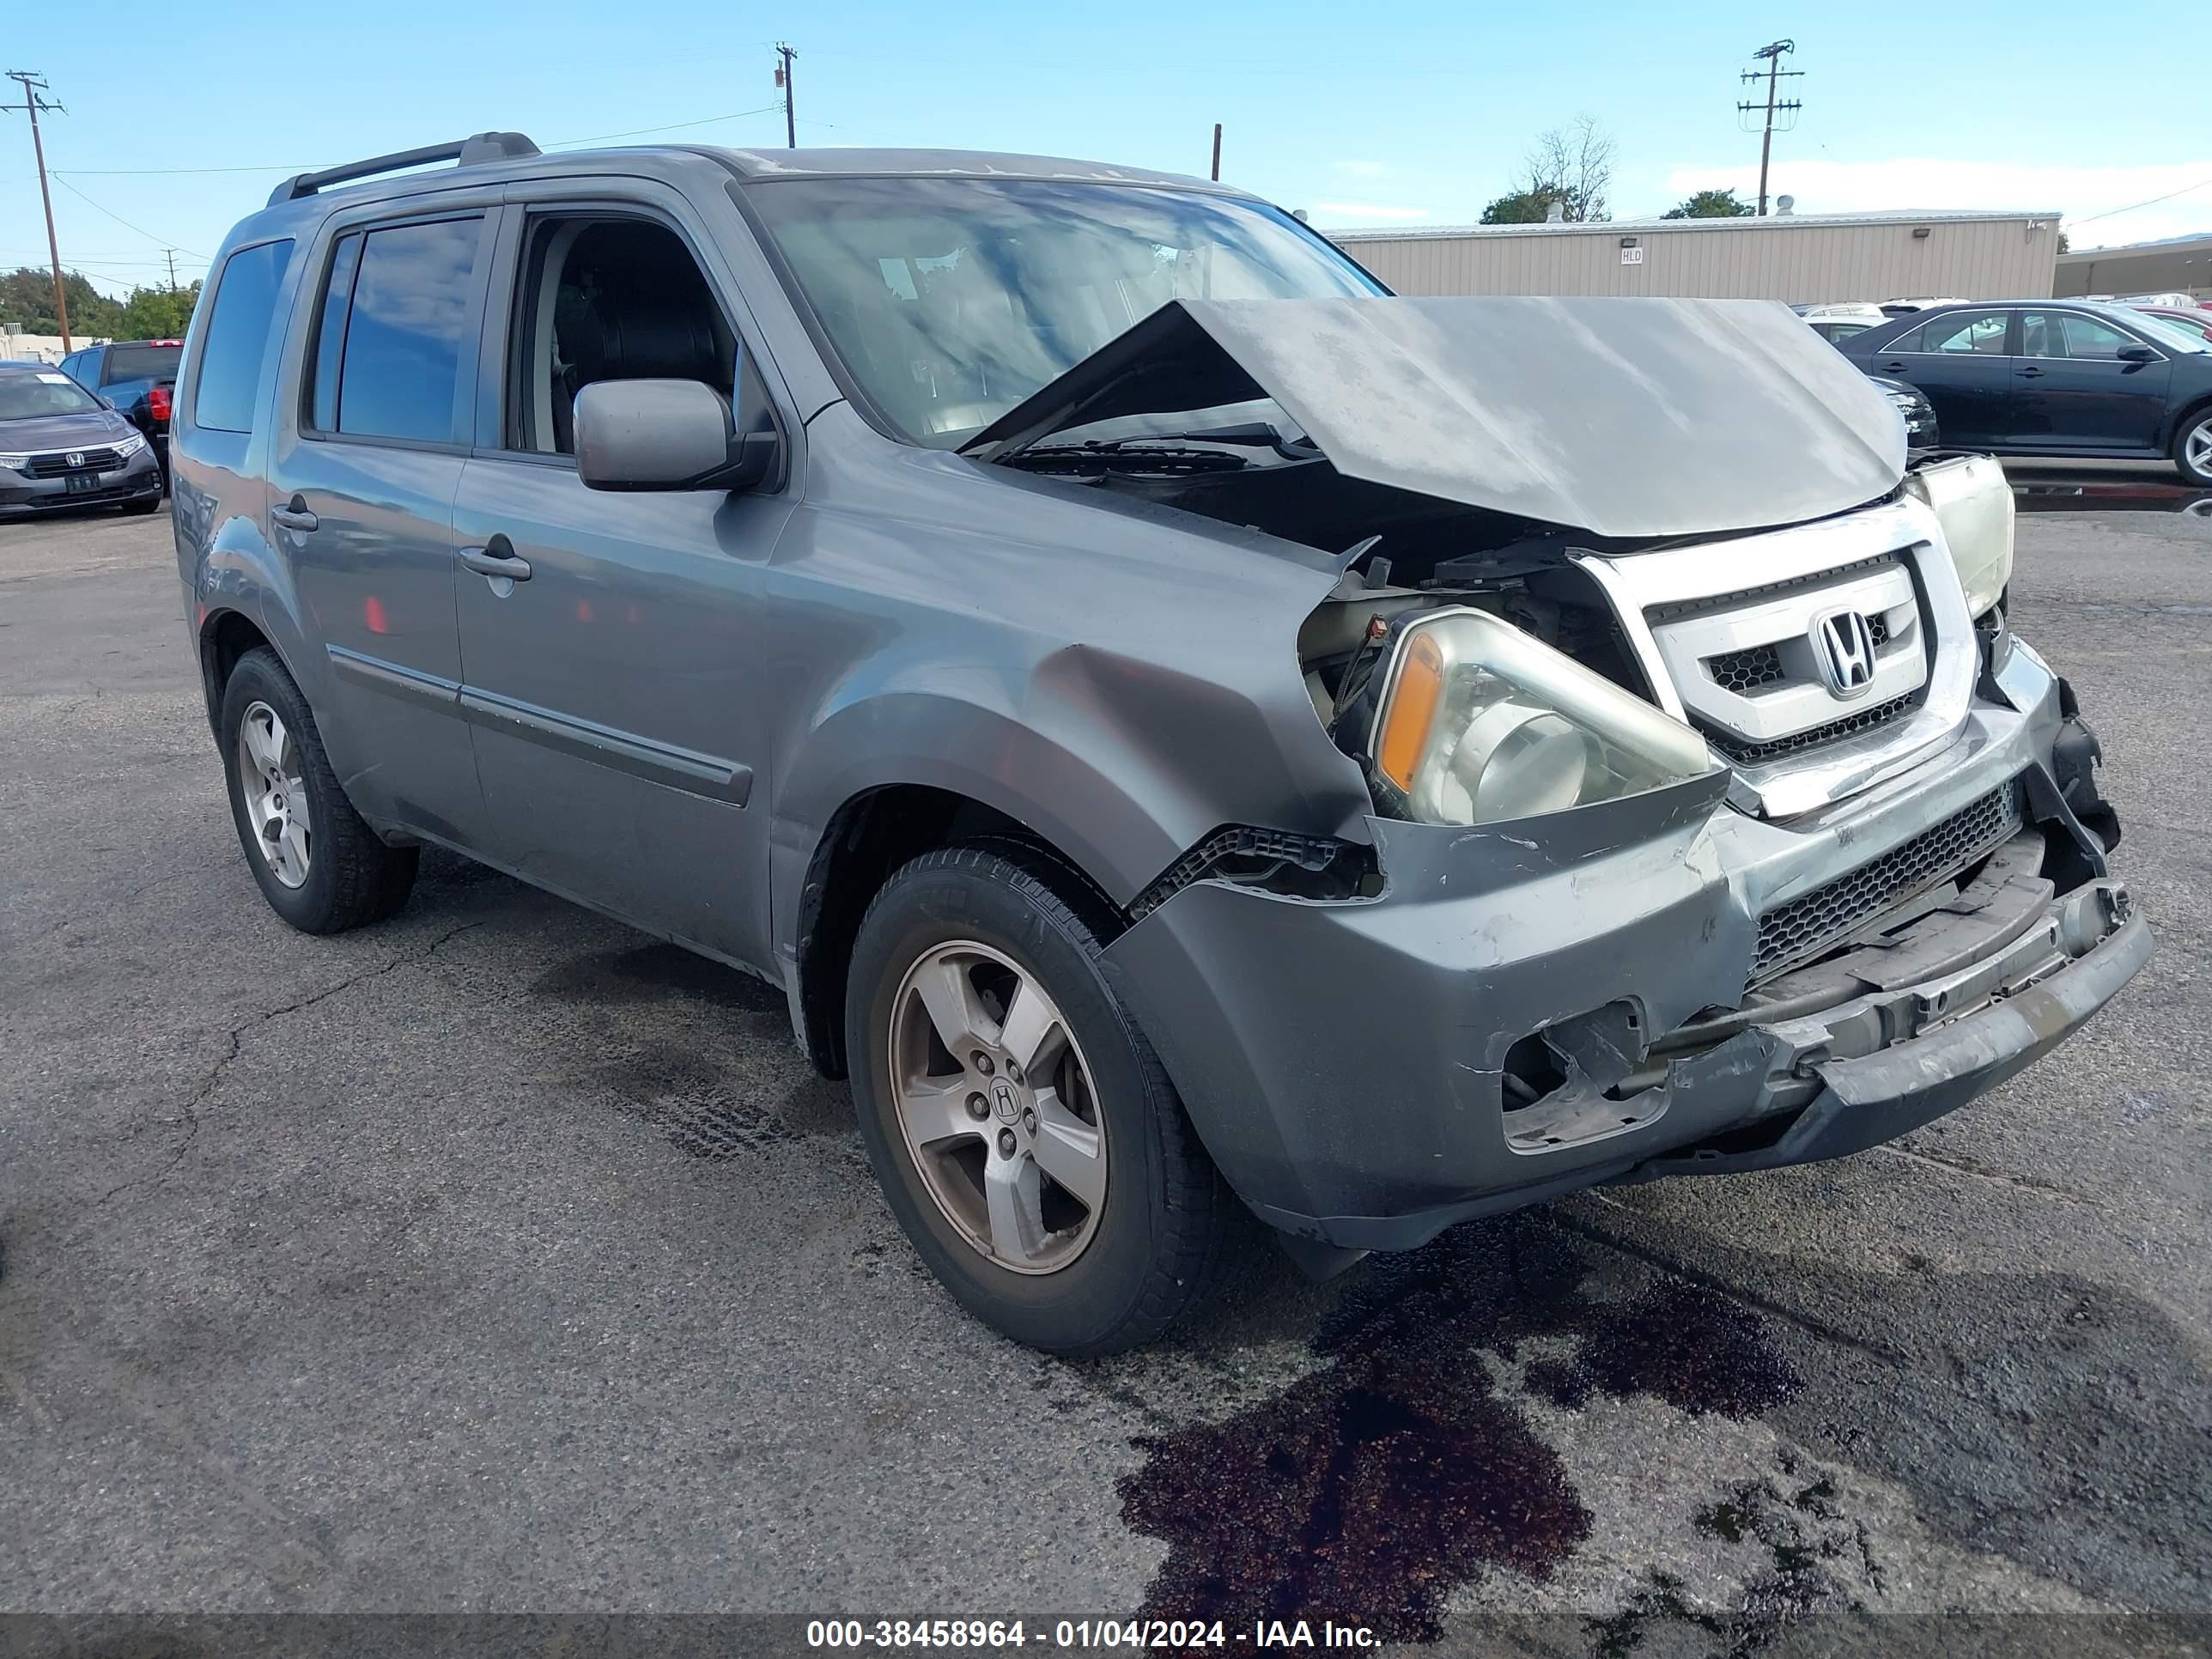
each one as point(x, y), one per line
point(496, 558)
point(294, 516)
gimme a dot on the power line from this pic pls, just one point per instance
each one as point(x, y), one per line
point(2109, 212)
point(158, 241)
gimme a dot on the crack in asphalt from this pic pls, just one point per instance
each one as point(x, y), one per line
point(235, 1039)
point(2026, 1184)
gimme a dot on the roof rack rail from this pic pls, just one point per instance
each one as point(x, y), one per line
point(469, 152)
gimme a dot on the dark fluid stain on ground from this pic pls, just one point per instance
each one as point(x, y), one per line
point(682, 1093)
point(649, 972)
point(1372, 1489)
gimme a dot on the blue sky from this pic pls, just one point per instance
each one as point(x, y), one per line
point(1371, 116)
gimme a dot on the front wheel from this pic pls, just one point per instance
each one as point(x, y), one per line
point(1023, 1131)
point(2192, 449)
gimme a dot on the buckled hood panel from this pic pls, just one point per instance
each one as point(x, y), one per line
point(1621, 417)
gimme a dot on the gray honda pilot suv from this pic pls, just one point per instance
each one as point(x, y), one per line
point(1196, 737)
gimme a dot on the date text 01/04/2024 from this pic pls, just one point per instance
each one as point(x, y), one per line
point(1082, 1634)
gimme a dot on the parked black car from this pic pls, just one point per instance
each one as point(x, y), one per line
point(136, 376)
point(2054, 377)
point(1921, 430)
point(61, 447)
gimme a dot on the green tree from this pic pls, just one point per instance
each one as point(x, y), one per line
point(1570, 168)
point(27, 304)
point(1522, 207)
point(157, 314)
point(1712, 204)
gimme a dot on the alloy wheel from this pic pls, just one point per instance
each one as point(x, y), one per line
point(269, 774)
point(2197, 448)
point(998, 1107)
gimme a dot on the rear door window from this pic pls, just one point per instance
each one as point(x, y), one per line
point(238, 336)
point(1982, 333)
point(406, 332)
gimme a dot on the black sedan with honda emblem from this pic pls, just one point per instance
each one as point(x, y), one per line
point(60, 445)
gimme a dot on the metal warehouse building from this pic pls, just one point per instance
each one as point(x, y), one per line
point(2178, 264)
point(1793, 257)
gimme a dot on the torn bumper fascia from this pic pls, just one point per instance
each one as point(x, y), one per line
point(1343, 1061)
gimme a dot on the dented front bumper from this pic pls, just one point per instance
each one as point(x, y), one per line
point(1350, 1066)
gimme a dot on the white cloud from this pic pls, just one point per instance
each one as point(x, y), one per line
point(1369, 210)
point(1359, 169)
point(2085, 197)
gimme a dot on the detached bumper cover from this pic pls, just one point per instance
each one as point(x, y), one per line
point(1347, 1064)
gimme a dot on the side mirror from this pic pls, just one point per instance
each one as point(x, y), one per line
point(2135, 354)
point(667, 434)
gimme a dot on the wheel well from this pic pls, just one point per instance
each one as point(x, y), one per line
point(2188, 416)
point(224, 638)
point(869, 839)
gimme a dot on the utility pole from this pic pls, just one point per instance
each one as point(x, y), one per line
point(783, 80)
point(170, 254)
point(1217, 152)
point(1787, 108)
point(33, 84)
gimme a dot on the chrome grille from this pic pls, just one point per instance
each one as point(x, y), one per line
point(1866, 720)
point(56, 465)
point(1746, 671)
point(1750, 672)
point(1802, 929)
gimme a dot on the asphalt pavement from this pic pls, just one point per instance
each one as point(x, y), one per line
point(500, 1258)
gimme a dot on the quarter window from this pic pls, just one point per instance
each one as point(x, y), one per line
point(393, 338)
point(238, 336)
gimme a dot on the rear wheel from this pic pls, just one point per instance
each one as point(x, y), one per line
point(2192, 447)
point(317, 862)
point(1023, 1131)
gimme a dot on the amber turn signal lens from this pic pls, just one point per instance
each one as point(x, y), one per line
point(1413, 710)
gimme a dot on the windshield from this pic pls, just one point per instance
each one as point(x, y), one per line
point(951, 300)
point(2163, 332)
point(47, 392)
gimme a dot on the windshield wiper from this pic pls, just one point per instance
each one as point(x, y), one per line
point(1153, 454)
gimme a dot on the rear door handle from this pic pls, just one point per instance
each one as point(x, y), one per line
point(293, 516)
point(496, 558)
point(1894, 366)
point(2031, 375)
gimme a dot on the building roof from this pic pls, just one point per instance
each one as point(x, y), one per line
point(2198, 240)
point(1614, 227)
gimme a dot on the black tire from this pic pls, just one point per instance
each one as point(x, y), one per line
point(2194, 421)
point(352, 878)
point(140, 509)
point(1169, 1232)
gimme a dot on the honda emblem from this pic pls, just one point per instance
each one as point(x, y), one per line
point(74, 458)
point(1844, 646)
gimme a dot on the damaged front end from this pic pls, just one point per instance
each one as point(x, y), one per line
point(1719, 820)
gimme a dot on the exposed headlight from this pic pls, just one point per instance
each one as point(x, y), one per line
point(1972, 500)
point(15, 463)
point(126, 448)
point(1479, 723)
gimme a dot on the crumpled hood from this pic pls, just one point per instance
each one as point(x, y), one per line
point(1622, 417)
